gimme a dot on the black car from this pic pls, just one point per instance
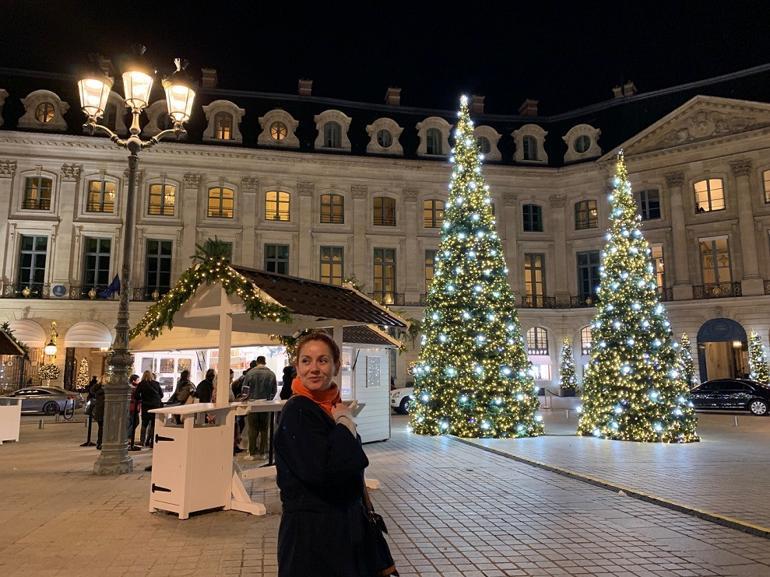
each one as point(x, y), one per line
point(732, 394)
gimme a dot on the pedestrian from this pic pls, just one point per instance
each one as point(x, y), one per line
point(289, 372)
point(262, 386)
point(97, 409)
point(205, 389)
point(149, 393)
point(185, 389)
point(90, 384)
point(133, 412)
point(320, 465)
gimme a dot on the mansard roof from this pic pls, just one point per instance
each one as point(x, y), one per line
point(620, 120)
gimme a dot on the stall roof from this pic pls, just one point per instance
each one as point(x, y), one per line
point(8, 347)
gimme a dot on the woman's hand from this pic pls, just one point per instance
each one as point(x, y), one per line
point(343, 415)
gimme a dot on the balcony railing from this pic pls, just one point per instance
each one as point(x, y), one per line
point(665, 294)
point(148, 293)
point(30, 291)
point(90, 292)
point(388, 298)
point(537, 302)
point(717, 290)
point(583, 301)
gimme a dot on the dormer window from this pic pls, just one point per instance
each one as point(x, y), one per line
point(530, 144)
point(332, 135)
point(434, 142)
point(332, 127)
point(223, 126)
point(582, 143)
point(278, 131)
point(383, 137)
point(45, 112)
point(487, 139)
point(530, 148)
point(483, 143)
point(434, 136)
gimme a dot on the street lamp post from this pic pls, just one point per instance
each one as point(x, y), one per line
point(94, 93)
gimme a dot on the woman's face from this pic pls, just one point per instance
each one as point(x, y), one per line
point(315, 365)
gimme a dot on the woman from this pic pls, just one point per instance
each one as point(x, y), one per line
point(97, 409)
point(149, 393)
point(184, 388)
point(320, 466)
point(289, 373)
point(205, 389)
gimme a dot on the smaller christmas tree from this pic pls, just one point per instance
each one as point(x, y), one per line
point(757, 360)
point(567, 378)
point(82, 378)
point(685, 358)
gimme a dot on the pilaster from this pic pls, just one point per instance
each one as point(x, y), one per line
point(751, 283)
point(412, 258)
point(509, 221)
point(249, 188)
point(7, 173)
point(682, 289)
point(305, 237)
point(189, 206)
point(360, 218)
point(61, 250)
point(558, 202)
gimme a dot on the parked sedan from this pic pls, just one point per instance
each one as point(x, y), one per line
point(732, 394)
point(400, 399)
point(48, 400)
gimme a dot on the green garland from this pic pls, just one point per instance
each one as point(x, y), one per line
point(209, 269)
point(6, 328)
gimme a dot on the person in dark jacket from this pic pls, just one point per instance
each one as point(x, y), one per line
point(133, 413)
point(262, 385)
point(289, 372)
point(97, 409)
point(205, 389)
point(184, 388)
point(320, 465)
point(149, 393)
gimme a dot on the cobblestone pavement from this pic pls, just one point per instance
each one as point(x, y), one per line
point(726, 474)
point(453, 510)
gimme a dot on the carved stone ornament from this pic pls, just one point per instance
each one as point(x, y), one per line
point(705, 124)
point(674, 179)
point(359, 190)
point(71, 171)
point(557, 200)
point(249, 183)
point(7, 168)
point(410, 194)
point(741, 167)
point(192, 179)
point(306, 188)
point(510, 198)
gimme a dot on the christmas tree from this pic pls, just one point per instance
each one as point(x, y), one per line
point(633, 388)
point(567, 378)
point(685, 357)
point(81, 382)
point(757, 359)
point(472, 378)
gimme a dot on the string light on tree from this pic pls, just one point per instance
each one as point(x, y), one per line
point(685, 356)
point(757, 360)
point(567, 378)
point(473, 377)
point(634, 388)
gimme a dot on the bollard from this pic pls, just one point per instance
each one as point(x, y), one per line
point(41, 423)
point(566, 411)
point(735, 420)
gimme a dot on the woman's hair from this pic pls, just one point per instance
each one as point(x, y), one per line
point(147, 376)
point(185, 375)
point(323, 337)
point(210, 374)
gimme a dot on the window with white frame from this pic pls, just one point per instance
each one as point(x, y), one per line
point(43, 110)
point(162, 199)
point(432, 213)
point(649, 204)
point(332, 264)
point(384, 211)
point(223, 120)
point(157, 280)
point(586, 215)
point(332, 135)
point(223, 126)
point(586, 340)
point(383, 136)
point(277, 258)
point(434, 141)
point(278, 130)
point(101, 196)
point(332, 208)
point(530, 147)
point(656, 253)
point(715, 260)
point(534, 279)
point(533, 217)
point(530, 144)
point(537, 341)
point(277, 205)
point(96, 264)
point(37, 193)
point(384, 275)
point(221, 202)
point(766, 184)
point(709, 195)
point(332, 127)
point(541, 371)
point(33, 251)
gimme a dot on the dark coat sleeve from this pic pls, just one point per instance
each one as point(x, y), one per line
point(317, 453)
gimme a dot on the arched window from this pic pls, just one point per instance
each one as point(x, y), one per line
point(537, 341)
point(221, 202)
point(45, 112)
point(37, 193)
point(484, 145)
point(433, 142)
point(533, 218)
point(278, 131)
point(529, 144)
point(277, 205)
point(384, 138)
point(332, 135)
point(162, 199)
point(223, 126)
point(432, 213)
point(709, 195)
point(384, 211)
point(332, 208)
point(586, 340)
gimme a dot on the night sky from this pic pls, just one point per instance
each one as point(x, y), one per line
point(563, 54)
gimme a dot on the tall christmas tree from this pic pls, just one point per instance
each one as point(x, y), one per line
point(685, 357)
point(757, 359)
point(633, 388)
point(567, 378)
point(473, 378)
point(81, 382)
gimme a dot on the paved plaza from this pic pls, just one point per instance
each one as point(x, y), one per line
point(453, 510)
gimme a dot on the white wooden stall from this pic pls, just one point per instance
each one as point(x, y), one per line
point(10, 419)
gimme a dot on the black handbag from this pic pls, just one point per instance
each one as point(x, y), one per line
point(374, 539)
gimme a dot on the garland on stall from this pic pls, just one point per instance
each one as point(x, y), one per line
point(6, 328)
point(213, 266)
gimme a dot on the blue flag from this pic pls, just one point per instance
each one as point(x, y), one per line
point(112, 288)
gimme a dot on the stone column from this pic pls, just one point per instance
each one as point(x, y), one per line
point(249, 188)
point(305, 238)
point(61, 251)
point(189, 208)
point(413, 259)
point(682, 285)
point(751, 284)
point(510, 246)
point(7, 172)
point(558, 221)
point(360, 250)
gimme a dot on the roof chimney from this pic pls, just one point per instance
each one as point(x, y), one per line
point(305, 87)
point(209, 77)
point(477, 104)
point(629, 89)
point(617, 92)
point(393, 96)
point(528, 107)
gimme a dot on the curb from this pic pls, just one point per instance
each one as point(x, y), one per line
point(731, 522)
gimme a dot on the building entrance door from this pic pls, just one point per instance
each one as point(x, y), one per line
point(722, 350)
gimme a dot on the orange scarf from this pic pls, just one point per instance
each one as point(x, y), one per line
point(325, 399)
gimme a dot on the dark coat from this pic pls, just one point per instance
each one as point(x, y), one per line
point(150, 395)
point(97, 409)
point(288, 376)
point(204, 391)
point(261, 382)
point(183, 391)
point(319, 467)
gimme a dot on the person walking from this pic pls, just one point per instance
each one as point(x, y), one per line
point(205, 389)
point(262, 386)
point(320, 465)
point(133, 413)
point(149, 393)
point(97, 409)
